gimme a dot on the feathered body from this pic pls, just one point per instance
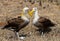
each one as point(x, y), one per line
point(43, 24)
point(16, 24)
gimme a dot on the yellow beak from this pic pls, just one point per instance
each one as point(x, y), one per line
point(31, 13)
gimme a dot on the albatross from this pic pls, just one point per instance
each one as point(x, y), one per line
point(18, 23)
point(40, 22)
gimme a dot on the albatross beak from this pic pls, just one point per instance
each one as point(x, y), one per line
point(31, 13)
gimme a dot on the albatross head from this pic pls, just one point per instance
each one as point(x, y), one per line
point(25, 10)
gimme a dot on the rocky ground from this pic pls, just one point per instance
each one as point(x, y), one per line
point(12, 8)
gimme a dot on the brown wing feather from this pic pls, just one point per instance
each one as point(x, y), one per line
point(16, 20)
point(45, 22)
point(42, 19)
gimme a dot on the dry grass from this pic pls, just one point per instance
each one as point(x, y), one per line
point(13, 8)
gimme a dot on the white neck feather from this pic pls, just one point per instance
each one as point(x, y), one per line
point(36, 17)
point(36, 14)
point(24, 17)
